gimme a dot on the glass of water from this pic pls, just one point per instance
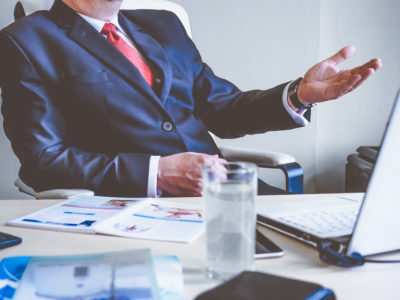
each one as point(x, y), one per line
point(229, 192)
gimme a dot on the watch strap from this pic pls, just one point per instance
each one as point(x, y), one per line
point(292, 93)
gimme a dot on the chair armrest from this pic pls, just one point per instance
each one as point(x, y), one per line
point(51, 194)
point(269, 159)
point(261, 158)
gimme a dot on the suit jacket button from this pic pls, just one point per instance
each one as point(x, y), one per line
point(167, 126)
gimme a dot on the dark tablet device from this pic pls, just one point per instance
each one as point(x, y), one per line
point(8, 240)
point(265, 247)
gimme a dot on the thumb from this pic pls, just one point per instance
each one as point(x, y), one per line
point(342, 55)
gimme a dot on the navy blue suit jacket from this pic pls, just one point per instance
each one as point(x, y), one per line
point(79, 115)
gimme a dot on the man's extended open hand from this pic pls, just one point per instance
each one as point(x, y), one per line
point(325, 81)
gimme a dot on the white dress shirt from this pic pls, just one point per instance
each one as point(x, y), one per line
point(153, 164)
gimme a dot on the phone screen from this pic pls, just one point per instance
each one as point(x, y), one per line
point(265, 247)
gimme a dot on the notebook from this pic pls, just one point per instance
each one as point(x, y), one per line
point(368, 224)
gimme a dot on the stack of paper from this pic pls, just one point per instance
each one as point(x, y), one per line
point(129, 217)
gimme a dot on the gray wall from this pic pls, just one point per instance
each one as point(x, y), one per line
point(259, 44)
point(359, 118)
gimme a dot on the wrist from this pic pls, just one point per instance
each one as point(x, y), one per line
point(300, 92)
point(295, 95)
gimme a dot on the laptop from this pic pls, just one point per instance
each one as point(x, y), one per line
point(368, 224)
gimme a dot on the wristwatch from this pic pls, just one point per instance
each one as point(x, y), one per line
point(292, 93)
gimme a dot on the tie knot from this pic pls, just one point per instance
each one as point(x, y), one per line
point(107, 28)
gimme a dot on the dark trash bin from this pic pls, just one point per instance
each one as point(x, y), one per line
point(359, 168)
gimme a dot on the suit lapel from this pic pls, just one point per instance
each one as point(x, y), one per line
point(87, 37)
point(152, 51)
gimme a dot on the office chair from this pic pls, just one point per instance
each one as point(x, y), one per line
point(265, 159)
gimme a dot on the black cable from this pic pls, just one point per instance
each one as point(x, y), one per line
point(381, 261)
point(328, 254)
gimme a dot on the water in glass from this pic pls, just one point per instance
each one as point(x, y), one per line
point(230, 227)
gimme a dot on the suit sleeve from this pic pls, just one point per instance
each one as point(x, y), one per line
point(230, 113)
point(39, 136)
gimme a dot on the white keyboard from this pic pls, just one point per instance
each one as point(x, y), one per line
point(323, 223)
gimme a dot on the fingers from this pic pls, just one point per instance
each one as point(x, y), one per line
point(359, 75)
point(367, 73)
point(350, 85)
point(350, 82)
point(342, 55)
point(374, 64)
point(342, 85)
point(212, 161)
point(186, 188)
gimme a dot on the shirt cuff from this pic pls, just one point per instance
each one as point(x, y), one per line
point(297, 116)
point(152, 180)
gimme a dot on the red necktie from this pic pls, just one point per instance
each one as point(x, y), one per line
point(130, 53)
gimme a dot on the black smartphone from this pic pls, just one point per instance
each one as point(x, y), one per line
point(265, 247)
point(8, 240)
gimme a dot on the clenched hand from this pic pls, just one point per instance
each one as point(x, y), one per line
point(180, 174)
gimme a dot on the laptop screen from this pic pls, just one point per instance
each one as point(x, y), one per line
point(377, 228)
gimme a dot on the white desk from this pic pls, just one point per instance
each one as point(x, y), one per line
point(371, 281)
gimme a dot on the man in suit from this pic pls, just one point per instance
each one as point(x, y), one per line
point(121, 103)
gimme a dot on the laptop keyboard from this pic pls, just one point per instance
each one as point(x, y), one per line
point(323, 223)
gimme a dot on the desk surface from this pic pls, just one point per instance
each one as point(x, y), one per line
point(371, 281)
